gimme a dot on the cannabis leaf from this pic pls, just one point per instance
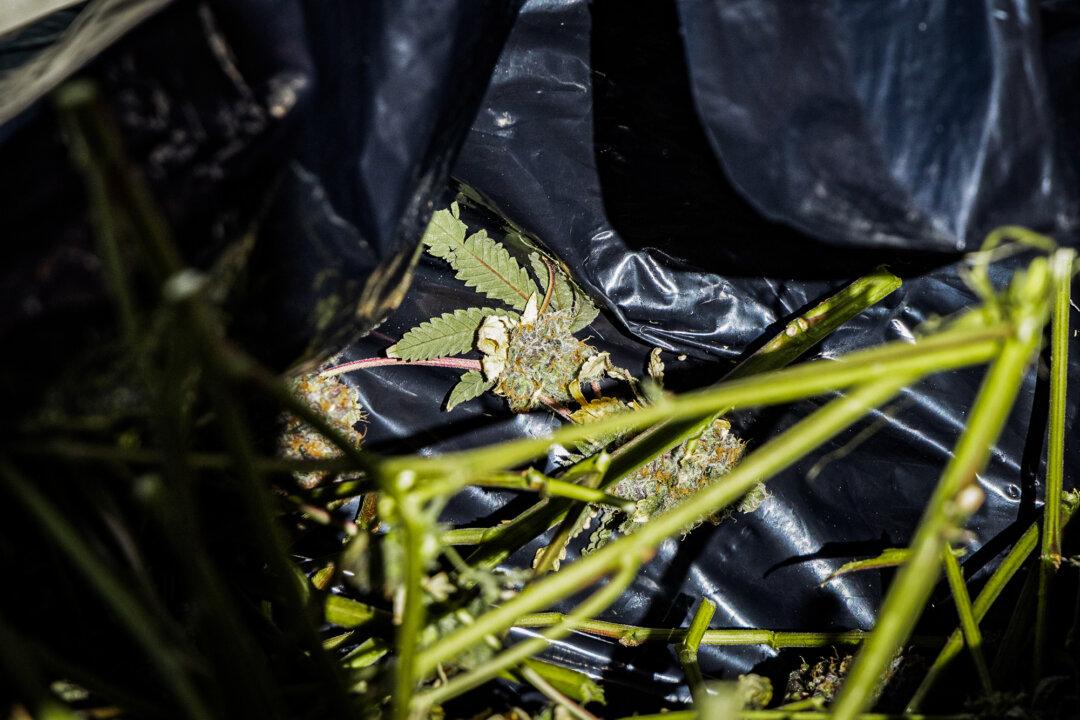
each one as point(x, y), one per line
point(472, 385)
point(451, 333)
point(584, 313)
point(445, 233)
point(481, 263)
point(487, 266)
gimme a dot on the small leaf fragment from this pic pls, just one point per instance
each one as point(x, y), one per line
point(890, 557)
point(472, 385)
point(656, 367)
point(346, 613)
point(452, 333)
point(445, 233)
point(584, 312)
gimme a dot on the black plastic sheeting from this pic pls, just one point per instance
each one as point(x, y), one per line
point(707, 169)
point(589, 139)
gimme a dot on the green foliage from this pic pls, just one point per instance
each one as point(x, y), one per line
point(452, 333)
point(445, 233)
point(480, 262)
point(471, 385)
point(566, 295)
point(532, 358)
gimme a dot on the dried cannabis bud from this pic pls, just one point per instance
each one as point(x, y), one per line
point(680, 472)
point(822, 680)
point(534, 360)
point(339, 403)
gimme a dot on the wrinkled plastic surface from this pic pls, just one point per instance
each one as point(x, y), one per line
point(912, 124)
point(660, 172)
point(588, 139)
point(329, 127)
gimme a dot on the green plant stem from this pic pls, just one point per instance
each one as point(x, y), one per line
point(411, 621)
point(947, 350)
point(595, 603)
point(771, 458)
point(533, 678)
point(1005, 571)
point(121, 204)
point(814, 702)
point(968, 624)
point(127, 609)
point(1050, 555)
point(809, 329)
point(916, 578)
point(633, 635)
point(98, 149)
point(688, 648)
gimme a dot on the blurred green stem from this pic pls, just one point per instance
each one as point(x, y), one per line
point(411, 620)
point(625, 571)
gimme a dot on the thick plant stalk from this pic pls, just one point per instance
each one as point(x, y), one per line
point(1050, 555)
point(411, 622)
point(994, 586)
point(768, 460)
point(688, 648)
point(968, 624)
point(535, 481)
point(956, 496)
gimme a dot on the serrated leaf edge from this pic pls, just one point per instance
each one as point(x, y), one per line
point(468, 319)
